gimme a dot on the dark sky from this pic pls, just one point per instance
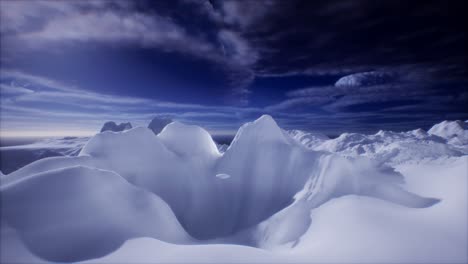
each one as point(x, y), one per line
point(328, 66)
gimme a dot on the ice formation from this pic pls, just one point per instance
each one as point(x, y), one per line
point(158, 123)
point(112, 126)
point(393, 147)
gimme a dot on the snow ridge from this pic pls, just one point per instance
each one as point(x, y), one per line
point(399, 147)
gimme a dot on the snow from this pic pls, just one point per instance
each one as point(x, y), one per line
point(69, 214)
point(392, 147)
point(12, 248)
point(112, 126)
point(147, 250)
point(222, 147)
point(396, 234)
point(338, 177)
point(309, 139)
point(350, 229)
point(188, 140)
point(271, 196)
point(456, 132)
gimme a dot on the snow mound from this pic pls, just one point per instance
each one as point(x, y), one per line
point(184, 180)
point(158, 123)
point(456, 132)
point(264, 129)
point(395, 234)
point(336, 177)
point(112, 126)
point(70, 214)
point(188, 140)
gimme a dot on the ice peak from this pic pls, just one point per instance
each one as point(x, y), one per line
point(448, 128)
point(264, 128)
point(265, 119)
point(266, 122)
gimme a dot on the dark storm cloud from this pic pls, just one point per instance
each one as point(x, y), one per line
point(422, 43)
point(330, 37)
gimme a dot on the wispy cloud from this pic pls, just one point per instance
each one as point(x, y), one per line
point(13, 89)
point(40, 24)
point(372, 88)
point(95, 21)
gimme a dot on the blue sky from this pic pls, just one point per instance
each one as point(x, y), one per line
point(330, 66)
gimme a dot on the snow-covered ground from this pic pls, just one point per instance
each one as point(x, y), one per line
point(271, 196)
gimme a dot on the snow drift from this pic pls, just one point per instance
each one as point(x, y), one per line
point(77, 213)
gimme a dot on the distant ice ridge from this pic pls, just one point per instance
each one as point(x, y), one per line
point(158, 123)
point(259, 192)
point(455, 132)
point(446, 139)
point(112, 126)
